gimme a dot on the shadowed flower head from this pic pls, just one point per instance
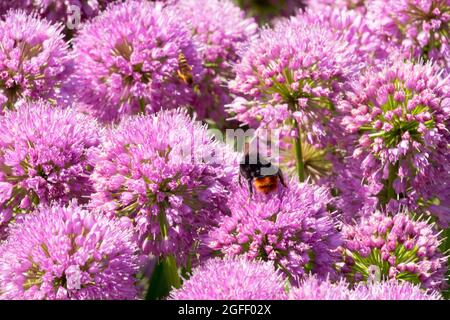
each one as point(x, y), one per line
point(395, 247)
point(265, 10)
point(44, 157)
point(34, 59)
point(57, 10)
point(291, 227)
point(219, 28)
point(293, 71)
point(400, 115)
point(354, 197)
point(233, 279)
point(139, 63)
point(166, 173)
point(315, 160)
point(69, 253)
point(420, 27)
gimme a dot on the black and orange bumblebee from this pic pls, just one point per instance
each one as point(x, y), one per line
point(260, 173)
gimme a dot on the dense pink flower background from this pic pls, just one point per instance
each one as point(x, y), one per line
point(118, 180)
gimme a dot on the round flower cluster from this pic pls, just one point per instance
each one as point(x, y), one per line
point(316, 161)
point(395, 247)
point(233, 279)
point(292, 72)
point(401, 115)
point(57, 10)
point(143, 62)
point(219, 32)
point(34, 59)
point(312, 288)
point(69, 253)
point(44, 156)
point(292, 228)
point(420, 27)
point(166, 173)
point(394, 290)
point(351, 26)
point(357, 5)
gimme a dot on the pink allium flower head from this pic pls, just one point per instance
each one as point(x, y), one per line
point(34, 59)
point(219, 28)
point(401, 116)
point(394, 290)
point(57, 10)
point(312, 288)
point(44, 157)
point(357, 5)
point(352, 27)
point(293, 71)
point(233, 279)
point(355, 198)
point(395, 247)
point(133, 64)
point(420, 27)
point(292, 228)
point(168, 174)
point(69, 253)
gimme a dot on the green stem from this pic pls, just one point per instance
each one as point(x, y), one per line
point(390, 192)
point(142, 105)
point(298, 153)
point(163, 224)
point(172, 272)
point(446, 250)
point(165, 277)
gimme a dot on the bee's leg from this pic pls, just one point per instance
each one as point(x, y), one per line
point(240, 182)
point(280, 176)
point(250, 187)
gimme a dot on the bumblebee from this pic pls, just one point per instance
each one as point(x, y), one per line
point(260, 173)
point(184, 70)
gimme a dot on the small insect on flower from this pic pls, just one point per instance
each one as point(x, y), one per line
point(184, 70)
point(260, 172)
